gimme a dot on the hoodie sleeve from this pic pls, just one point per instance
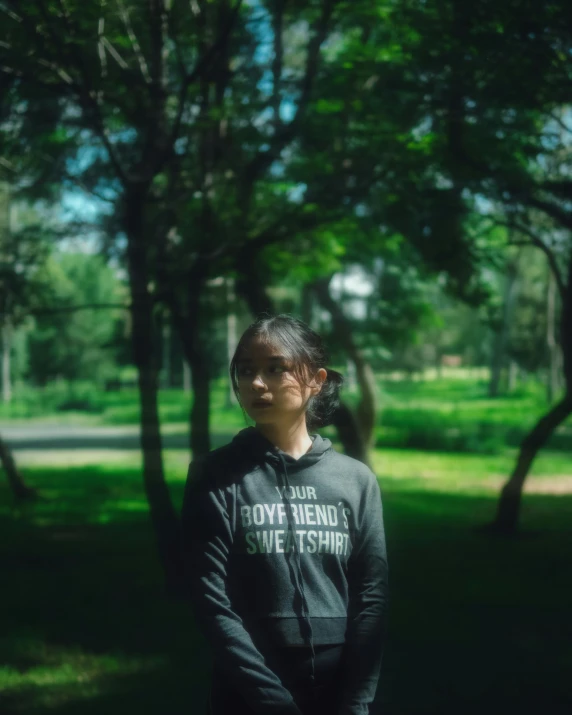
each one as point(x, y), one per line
point(367, 612)
point(207, 541)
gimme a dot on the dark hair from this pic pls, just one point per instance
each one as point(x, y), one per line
point(304, 347)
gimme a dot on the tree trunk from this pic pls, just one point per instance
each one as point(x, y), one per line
point(162, 512)
point(306, 304)
point(566, 329)
point(187, 324)
point(506, 520)
point(19, 488)
point(554, 352)
point(6, 348)
point(200, 442)
point(349, 433)
point(351, 377)
point(231, 335)
point(167, 380)
point(508, 509)
point(364, 423)
point(254, 294)
point(186, 375)
point(501, 336)
point(513, 373)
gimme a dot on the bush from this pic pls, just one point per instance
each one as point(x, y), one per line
point(57, 396)
point(436, 431)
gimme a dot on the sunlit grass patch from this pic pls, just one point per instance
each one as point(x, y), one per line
point(45, 675)
point(464, 473)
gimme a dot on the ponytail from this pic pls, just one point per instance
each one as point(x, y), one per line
point(322, 406)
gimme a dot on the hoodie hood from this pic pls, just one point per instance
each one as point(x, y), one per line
point(263, 450)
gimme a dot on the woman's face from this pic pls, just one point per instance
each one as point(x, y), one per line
point(268, 389)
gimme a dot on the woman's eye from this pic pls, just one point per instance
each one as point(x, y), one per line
point(270, 370)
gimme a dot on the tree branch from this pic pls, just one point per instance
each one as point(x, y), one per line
point(175, 39)
point(89, 99)
point(32, 28)
point(288, 131)
point(157, 28)
point(100, 47)
point(560, 122)
point(536, 241)
point(124, 12)
point(7, 164)
point(280, 231)
point(555, 212)
point(561, 188)
point(201, 65)
point(80, 183)
point(113, 52)
point(59, 70)
point(11, 14)
point(277, 62)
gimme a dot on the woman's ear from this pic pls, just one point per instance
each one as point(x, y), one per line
point(319, 379)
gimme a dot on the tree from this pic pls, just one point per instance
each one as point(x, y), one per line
point(23, 252)
point(508, 509)
point(501, 142)
point(127, 114)
point(241, 202)
point(66, 341)
point(141, 109)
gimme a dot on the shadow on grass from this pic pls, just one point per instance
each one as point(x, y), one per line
point(477, 624)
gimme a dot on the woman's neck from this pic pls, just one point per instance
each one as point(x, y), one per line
point(293, 440)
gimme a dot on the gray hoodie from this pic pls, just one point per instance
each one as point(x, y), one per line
point(281, 552)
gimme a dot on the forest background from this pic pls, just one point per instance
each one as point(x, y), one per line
point(395, 173)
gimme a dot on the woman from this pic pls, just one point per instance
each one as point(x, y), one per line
point(284, 542)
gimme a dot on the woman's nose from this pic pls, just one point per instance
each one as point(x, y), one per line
point(258, 382)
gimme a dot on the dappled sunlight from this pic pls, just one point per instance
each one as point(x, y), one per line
point(391, 181)
point(103, 636)
point(557, 484)
point(45, 675)
point(467, 473)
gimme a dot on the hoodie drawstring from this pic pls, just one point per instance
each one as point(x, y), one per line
point(300, 578)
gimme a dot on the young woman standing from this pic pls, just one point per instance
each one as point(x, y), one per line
point(284, 542)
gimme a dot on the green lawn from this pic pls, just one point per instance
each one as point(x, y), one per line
point(477, 624)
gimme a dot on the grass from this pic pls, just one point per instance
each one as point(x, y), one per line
point(458, 415)
point(477, 624)
point(90, 629)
